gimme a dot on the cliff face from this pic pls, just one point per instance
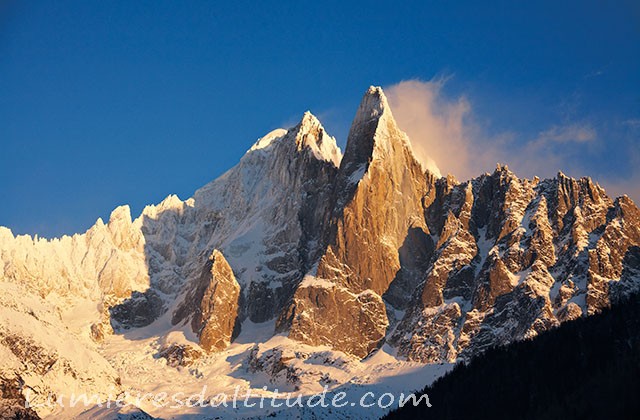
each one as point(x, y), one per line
point(515, 258)
point(268, 213)
point(377, 200)
point(212, 305)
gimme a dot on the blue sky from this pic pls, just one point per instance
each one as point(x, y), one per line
point(110, 102)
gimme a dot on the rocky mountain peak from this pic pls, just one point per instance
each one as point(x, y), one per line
point(120, 213)
point(625, 207)
point(310, 134)
point(5, 233)
point(374, 136)
point(376, 210)
point(268, 139)
point(373, 106)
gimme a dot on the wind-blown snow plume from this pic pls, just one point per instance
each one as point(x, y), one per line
point(443, 132)
point(435, 125)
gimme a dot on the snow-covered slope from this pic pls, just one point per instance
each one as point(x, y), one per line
point(300, 268)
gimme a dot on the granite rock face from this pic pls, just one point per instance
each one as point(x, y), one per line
point(515, 258)
point(376, 202)
point(212, 305)
point(355, 323)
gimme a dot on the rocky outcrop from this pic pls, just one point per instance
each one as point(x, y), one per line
point(12, 403)
point(616, 245)
point(288, 368)
point(276, 364)
point(180, 355)
point(376, 207)
point(323, 312)
point(211, 305)
point(515, 258)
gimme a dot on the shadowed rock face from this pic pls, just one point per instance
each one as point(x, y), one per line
point(212, 305)
point(515, 258)
point(272, 206)
point(12, 403)
point(376, 201)
point(180, 355)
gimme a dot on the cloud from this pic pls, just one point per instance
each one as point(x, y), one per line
point(442, 129)
point(633, 123)
point(435, 125)
point(444, 132)
point(630, 184)
point(595, 73)
point(568, 133)
point(552, 150)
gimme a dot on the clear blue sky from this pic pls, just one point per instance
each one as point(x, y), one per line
point(110, 102)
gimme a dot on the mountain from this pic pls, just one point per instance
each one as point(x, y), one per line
point(301, 268)
point(586, 369)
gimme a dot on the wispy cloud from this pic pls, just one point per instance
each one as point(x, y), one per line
point(629, 185)
point(579, 133)
point(436, 125)
point(633, 123)
point(594, 73)
point(443, 130)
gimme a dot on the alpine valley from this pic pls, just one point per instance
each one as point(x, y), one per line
point(303, 268)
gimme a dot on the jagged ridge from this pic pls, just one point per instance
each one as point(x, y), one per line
point(350, 252)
